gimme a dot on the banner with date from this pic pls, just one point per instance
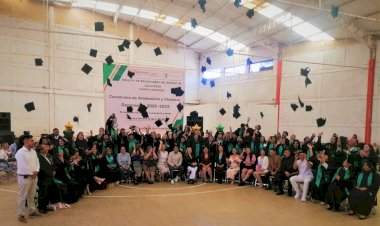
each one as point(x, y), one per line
point(143, 97)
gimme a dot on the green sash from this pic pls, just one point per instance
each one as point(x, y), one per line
point(280, 150)
point(96, 167)
point(347, 176)
point(197, 149)
point(131, 145)
point(230, 147)
point(369, 180)
point(321, 175)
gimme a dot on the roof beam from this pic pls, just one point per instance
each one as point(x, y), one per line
point(160, 12)
point(117, 13)
point(182, 18)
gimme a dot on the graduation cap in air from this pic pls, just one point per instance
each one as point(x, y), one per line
point(170, 126)
point(129, 109)
point(229, 95)
point(249, 61)
point(203, 69)
point(202, 4)
point(194, 114)
point(138, 43)
point(126, 43)
point(89, 105)
point(236, 113)
point(131, 74)
point(237, 3)
point(300, 101)
point(99, 26)
point(334, 11)
point(262, 115)
point(166, 120)
point(236, 107)
point(308, 108)
point(129, 117)
point(212, 83)
point(222, 111)
point(86, 68)
point(29, 106)
point(307, 81)
point(177, 91)
point(121, 48)
point(305, 71)
point(38, 62)
point(250, 13)
point(204, 81)
point(321, 122)
point(93, 52)
point(193, 22)
point(230, 52)
point(158, 123)
point(294, 106)
point(157, 51)
point(109, 60)
point(109, 82)
point(208, 60)
point(179, 107)
point(142, 109)
point(75, 119)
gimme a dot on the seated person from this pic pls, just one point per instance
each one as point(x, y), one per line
point(137, 155)
point(274, 165)
point(109, 167)
point(248, 160)
point(320, 184)
point(3, 160)
point(150, 164)
point(285, 173)
point(234, 165)
point(262, 166)
point(362, 196)
point(305, 174)
point(124, 161)
point(162, 161)
point(191, 164)
point(206, 164)
point(338, 189)
point(175, 163)
point(220, 164)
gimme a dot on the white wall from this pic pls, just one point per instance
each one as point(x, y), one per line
point(59, 89)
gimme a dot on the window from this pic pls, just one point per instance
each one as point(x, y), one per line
point(235, 70)
point(261, 66)
point(214, 73)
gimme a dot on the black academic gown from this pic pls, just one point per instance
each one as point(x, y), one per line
point(46, 190)
point(338, 190)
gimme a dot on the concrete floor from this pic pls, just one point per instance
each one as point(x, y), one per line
point(182, 204)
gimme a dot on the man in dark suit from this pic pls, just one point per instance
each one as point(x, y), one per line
point(54, 138)
point(45, 178)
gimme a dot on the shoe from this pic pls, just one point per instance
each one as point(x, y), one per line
point(330, 208)
point(22, 219)
point(43, 211)
point(362, 217)
point(135, 182)
point(297, 196)
point(351, 212)
point(268, 188)
point(35, 214)
point(280, 193)
point(303, 200)
point(172, 181)
point(242, 183)
point(290, 194)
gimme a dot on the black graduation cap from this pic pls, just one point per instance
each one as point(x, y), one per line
point(76, 119)
point(334, 11)
point(204, 81)
point(249, 61)
point(305, 71)
point(208, 60)
point(89, 105)
point(321, 122)
point(202, 4)
point(158, 123)
point(230, 52)
point(86, 68)
point(99, 26)
point(177, 91)
point(142, 109)
point(29, 106)
point(179, 107)
point(129, 109)
point(126, 43)
point(131, 74)
point(109, 60)
point(212, 83)
point(121, 48)
point(194, 114)
point(109, 82)
point(170, 126)
point(262, 115)
point(236, 115)
point(237, 3)
point(237, 107)
point(138, 43)
point(93, 52)
point(193, 22)
point(294, 106)
point(222, 111)
point(300, 101)
point(309, 108)
point(229, 95)
point(38, 61)
point(250, 13)
point(166, 120)
point(203, 69)
point(307, 81)
point(129, 117)
point(157, 51)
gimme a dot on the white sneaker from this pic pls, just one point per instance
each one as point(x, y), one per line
point(297, 196)
point(303, 199)
point(172, 181)
point(176, 179)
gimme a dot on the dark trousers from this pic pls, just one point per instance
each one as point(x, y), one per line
point(45, 188)
point(171, 170)
point(219, 174)
point(279, 179)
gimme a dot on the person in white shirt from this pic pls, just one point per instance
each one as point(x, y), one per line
point(175, 163)
point(305, 174)
point(28, 167)
point(261, 167)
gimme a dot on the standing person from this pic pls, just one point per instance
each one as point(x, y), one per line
point(28, 167)
point(45, 178)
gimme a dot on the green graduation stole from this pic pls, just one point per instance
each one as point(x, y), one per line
point(197, 149)
point(253, 146)
point(182, 146)
point(347, 175)
point(230, 147)
point(308, 154)
point(280, 150)
point(103, 147)
point(131, 145)
point(240, 132)
point(320, 175)
point(67, 171)
point(238, 148)
point(63, 149)
point(369, 180)
point(261, 146)
point(97, 166)
point(110, 160)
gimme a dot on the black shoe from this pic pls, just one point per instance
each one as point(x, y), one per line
point(135, 182)
point(330, 208)
point(280, 193)
point(268, 188)
point(43, 211)
point(219, 181)
point(242, 183)
point(290, 194)
point(22, 219)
